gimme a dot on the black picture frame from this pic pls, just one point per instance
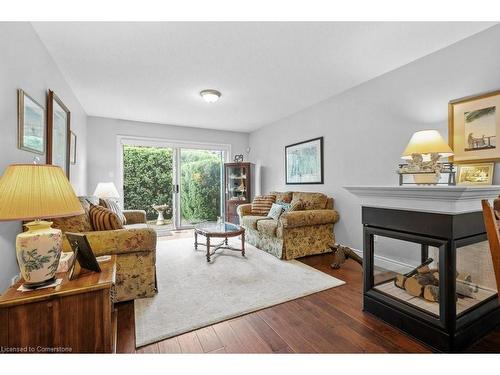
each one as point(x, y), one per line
point(83, 254)
point(321, 167)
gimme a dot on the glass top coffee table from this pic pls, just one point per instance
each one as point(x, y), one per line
point(218, 230)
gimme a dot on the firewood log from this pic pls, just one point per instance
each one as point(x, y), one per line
point(415, 284)
point(431, 293)
point(400, 279)
point(423, 269)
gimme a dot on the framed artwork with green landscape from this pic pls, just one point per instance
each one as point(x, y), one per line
point(31, 124)
point(304, 162)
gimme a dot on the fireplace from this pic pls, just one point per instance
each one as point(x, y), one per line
point(427, 266)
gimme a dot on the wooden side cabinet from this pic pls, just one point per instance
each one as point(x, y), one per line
point(238, 188)
point(75, 317)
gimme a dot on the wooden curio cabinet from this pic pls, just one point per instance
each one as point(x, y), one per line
point(238, 188)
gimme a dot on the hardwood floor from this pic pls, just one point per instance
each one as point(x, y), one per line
point(326, 322)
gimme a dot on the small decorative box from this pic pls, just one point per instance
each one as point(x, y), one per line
point(65, 261)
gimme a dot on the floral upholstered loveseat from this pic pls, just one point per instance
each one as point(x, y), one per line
point(134, 246)
point(296, 233)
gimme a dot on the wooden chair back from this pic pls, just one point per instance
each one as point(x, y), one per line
point(492, 231)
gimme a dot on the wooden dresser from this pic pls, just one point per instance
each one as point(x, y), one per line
point(75, 317)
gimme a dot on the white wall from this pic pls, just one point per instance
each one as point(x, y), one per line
point(26, 64)
point(366, 128)
point(103, 134)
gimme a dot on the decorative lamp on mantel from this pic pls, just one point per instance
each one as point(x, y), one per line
point(35, 192)
point(423, 152)
point(106, 190)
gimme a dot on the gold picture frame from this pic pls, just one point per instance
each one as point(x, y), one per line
point(475, 174)
point(473, 126)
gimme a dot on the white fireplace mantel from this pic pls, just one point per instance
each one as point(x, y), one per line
point(440, 199)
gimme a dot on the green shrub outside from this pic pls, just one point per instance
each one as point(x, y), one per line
point(148, 176)
point(200, 185)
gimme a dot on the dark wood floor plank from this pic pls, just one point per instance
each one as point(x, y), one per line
point(269, 335)
point(294, 327)
point(209, 340)
point(248, 337)
point(169, 346)
point(228, 338)
point(368, 341)
point(218, 351)
point(325, 336)
point(149, 349)
point(125, 340)
point(189, 343)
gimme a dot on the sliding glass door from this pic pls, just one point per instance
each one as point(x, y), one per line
point(148, 179)
point(200, 185)
point(186, 177)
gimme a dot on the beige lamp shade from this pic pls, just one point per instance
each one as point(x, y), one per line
point(427, 142)
point(106, 190)
point(36, 191)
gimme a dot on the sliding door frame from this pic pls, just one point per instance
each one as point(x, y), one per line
point(176, 146)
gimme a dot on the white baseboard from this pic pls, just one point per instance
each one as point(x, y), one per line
point(387, 263)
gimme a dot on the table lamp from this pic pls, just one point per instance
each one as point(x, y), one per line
point(35, 192)
point(423, 152)
point(106, 190)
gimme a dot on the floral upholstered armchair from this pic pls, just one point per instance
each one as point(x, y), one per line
point(134, 246)
point(306, 231)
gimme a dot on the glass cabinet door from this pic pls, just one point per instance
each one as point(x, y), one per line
point(237, 183)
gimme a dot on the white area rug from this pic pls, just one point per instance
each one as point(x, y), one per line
point(193, 293)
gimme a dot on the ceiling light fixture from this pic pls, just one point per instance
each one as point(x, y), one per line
point(210, 96)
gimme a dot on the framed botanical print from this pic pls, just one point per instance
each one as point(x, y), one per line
point(474, 124)
point(304, 162)
point(475, 174)
point(72, 148)
point(31, 124)
point(58, 133)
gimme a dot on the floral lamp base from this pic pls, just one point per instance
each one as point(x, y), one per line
point(38, 251)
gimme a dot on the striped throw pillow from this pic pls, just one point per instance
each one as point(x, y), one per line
point(104, 219)
point(111, 205)
point(297, 205)
point(262, 204)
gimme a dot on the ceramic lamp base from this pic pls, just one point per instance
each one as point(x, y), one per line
point(426, 179)
point(38, 251)
point(39, 284)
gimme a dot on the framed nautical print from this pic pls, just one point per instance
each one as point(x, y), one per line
point(31, 124)
point(474, 124)
point(475, 174)
point(58, 133)
point(304, 162)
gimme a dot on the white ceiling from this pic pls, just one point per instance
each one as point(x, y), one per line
point(154, 72)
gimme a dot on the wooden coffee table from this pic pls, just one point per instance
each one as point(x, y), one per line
point(218, 230)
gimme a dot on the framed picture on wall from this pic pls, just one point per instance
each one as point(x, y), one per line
point(475, 174)
point(304, 162)
point(72, 148)
point(474, 126)
point(58, 133)
point(31, 124)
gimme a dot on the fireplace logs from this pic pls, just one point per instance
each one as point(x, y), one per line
point(423, 282)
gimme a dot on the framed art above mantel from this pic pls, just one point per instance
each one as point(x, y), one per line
point(58, 133)
point(473, 127)
point(304, 162)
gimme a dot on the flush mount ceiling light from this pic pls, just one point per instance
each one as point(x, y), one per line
point(210, 96)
